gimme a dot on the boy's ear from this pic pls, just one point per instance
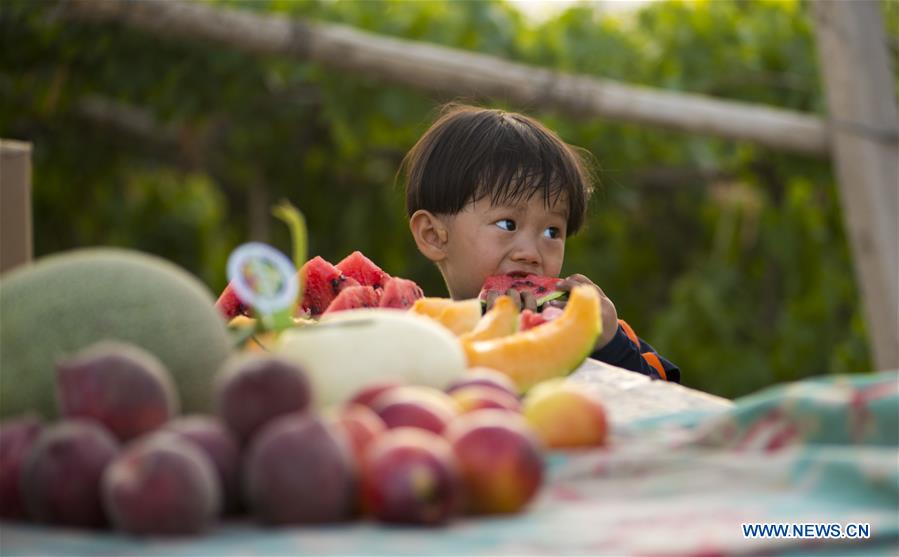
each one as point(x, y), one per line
point(430, 234)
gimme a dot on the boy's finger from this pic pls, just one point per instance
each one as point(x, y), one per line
point(566, 285)
point(577, 280)
point(529, 301)
point(516, 297)
point(490, 298)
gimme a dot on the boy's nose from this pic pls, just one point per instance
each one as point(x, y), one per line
point(526, 255)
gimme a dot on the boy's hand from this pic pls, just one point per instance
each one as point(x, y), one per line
point(607, 308)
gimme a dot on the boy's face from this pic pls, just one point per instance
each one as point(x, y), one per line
point(485, 240)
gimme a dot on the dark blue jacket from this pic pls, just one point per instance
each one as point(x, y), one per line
point(629, 351)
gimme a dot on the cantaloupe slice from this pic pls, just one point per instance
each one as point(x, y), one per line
point(254, 339)
point(261, 342)
point(241, 321)
point(459, 317)
point(501, 320)
point(551, 350)
point(431, 307)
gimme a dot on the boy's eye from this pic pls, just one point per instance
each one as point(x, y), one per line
point(506, 224)
point(552, 232)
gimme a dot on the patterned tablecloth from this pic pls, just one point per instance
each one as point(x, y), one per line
point(683, 473)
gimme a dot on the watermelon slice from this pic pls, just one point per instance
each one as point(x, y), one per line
point(322, 283)
point(543, 288)
point(230, 305)
point(400, 293)
point(362, 269)
point(355, 297)
point(530, 319)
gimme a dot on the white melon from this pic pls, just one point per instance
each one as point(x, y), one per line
point(349, 350)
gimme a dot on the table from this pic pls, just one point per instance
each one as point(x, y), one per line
point(631, 397)
point(684, 472)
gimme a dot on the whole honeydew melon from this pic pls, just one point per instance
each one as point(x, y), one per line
point(351, 349)
point(64, 302)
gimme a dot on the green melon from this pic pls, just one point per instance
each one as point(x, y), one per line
point(65, 302)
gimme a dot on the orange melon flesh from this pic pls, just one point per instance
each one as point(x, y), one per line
point(459, 317)
point(551, 350)
point(259, 341)
point(432, 307)
point(241, 321)
point(501, 320)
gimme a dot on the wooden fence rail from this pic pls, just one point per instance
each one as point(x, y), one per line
point(457, 72)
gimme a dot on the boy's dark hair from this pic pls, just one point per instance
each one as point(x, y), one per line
point(472, 153)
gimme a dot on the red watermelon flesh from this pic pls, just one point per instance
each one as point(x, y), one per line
point(400, 293)
point(530, 319)
point(543, 288)
point(322, 282)
point(230, 305)
point(355, 297)
point(362, 269)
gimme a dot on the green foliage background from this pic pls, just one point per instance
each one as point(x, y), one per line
point(729, 258)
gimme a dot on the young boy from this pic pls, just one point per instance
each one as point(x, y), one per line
point(491, 192)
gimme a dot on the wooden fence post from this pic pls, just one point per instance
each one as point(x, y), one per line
point(858, 81)
point(15, 204)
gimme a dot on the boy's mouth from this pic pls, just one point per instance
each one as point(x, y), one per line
point(517, 274)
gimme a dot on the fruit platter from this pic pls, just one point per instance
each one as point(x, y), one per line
point(354, 416)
